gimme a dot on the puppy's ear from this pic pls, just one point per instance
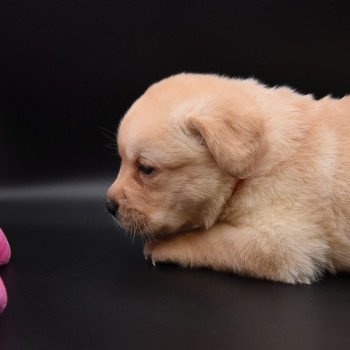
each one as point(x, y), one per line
point(234, 142)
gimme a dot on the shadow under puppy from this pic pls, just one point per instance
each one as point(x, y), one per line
point(232, 175)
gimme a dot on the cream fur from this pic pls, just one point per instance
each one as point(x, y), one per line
point(247, 179)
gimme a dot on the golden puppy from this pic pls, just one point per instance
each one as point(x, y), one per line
point(234, 176)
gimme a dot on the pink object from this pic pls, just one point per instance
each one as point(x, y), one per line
point(5, 254)
point(5, 251)
point(3, 296)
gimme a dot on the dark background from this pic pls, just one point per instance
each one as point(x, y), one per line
point(70, 67)
point(68, 71)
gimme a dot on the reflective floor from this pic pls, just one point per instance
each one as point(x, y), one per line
point(76, 282)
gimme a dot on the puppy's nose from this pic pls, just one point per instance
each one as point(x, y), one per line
point(112, 207)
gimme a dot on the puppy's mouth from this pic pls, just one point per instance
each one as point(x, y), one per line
point(135, 222)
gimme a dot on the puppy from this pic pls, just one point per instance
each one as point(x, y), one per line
point(231, 175)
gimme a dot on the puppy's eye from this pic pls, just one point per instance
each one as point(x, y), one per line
point(145, 169)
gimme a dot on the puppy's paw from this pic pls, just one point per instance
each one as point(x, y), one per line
point(163, 251)
point(148, 249)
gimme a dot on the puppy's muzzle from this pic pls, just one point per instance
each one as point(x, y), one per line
point(111, 206)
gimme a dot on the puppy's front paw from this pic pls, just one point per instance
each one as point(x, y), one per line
point(164, 251)
point(148, 248)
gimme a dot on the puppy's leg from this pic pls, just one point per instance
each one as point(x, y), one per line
point(272, 255)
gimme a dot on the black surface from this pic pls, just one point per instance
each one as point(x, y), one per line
point(69, 69)
point(76, 283)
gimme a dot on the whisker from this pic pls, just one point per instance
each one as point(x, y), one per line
point(104, 132)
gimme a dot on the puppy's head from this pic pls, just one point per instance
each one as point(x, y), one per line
point(182, 150)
